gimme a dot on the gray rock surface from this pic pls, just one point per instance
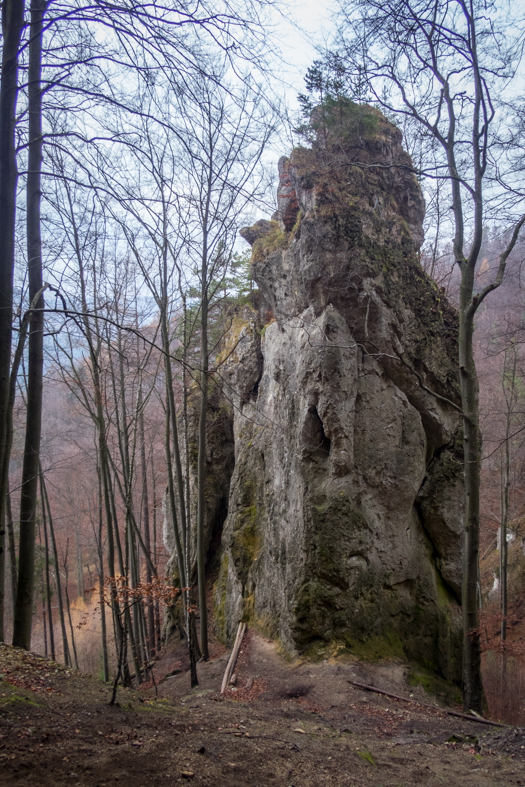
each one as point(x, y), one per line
point(344, 526)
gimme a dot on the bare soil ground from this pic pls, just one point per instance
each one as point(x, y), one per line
point(289, 724)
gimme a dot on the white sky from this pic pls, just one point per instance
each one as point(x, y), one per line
point(309, 26)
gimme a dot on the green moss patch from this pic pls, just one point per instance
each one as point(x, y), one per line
point(435, 685)
point(219, 596)
point(366, 756)
point(385, 647)
point(16, 699)
point(276, 239)
point(246, 542)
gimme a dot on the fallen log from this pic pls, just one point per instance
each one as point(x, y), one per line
point(466, 716)
point(233, 657)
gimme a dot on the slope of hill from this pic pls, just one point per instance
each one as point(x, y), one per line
point(285, 723)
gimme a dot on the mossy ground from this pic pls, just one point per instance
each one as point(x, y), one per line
point(437, 687)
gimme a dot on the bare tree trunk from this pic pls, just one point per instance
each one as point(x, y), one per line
point(80, 567)
point(503, 536)
point(504, 557)
point(104, 472)
point(122, 568)
point(101, 581)
point(510, 396)
point(12, 546)
point(158, 643)
point(147, 536)
point(12, 25)
point(103, 625)
point(5, 496)
point(121, 660)
point(44, 619)
point(66, 582)
point(472, 684)
point(201, 465)
point(510, 400)
point(48, 577)
point(30, 470)
point(180, 553)
point(65, 644)
point(136, 611)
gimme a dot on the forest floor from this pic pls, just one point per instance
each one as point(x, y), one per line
point(297, 724)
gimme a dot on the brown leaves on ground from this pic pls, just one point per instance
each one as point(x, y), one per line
point(28, 670)
point(283, 723)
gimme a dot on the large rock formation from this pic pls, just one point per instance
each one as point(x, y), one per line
point(345, 506)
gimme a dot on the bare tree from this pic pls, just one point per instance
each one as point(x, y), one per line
point(224, 143)
point(12, 12)
point(29, 492)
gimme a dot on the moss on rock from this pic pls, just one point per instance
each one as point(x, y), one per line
point(220, 591)
point(433, 684)
point(245, 544)
point(274, 240)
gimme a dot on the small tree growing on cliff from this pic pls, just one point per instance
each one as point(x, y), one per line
point(438, 66)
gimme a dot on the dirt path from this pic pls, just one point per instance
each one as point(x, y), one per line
point(284, 724)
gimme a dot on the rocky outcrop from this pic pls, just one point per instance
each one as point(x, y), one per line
point(345, 508)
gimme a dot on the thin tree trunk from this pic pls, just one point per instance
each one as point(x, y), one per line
point(158, 643)
point(180, 556)
point(172, 439)
point(115, 605)
point(43, 596)
point(503, 538)
point(504, 521)
point(137, 611)
point(127, 470)
point(65, 644)
point(44, 619)
point(472, 683)
point(147, 537)
point(505, 498)
point(101, 581)
point(201, 472)
point(12, 25)
point(48, 577)
point(80, 568)
point(12, 546)
point(134, 650)
point(66, 571)
point(193, 640)
point(103, 625)
point(123, 572)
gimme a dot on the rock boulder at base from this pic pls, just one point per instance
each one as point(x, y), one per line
point(344, 525)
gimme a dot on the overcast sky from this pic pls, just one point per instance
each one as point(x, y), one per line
point(309, 26)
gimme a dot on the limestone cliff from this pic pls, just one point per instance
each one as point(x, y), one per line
point(345, 506)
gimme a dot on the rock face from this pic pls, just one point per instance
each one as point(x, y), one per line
point(345, 508)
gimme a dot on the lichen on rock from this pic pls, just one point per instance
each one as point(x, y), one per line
point(345, 504)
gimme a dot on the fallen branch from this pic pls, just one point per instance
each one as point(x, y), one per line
point(426, 705)
point(233, 657)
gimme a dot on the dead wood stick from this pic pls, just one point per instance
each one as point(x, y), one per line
point(233, 657)
point(426, 705)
